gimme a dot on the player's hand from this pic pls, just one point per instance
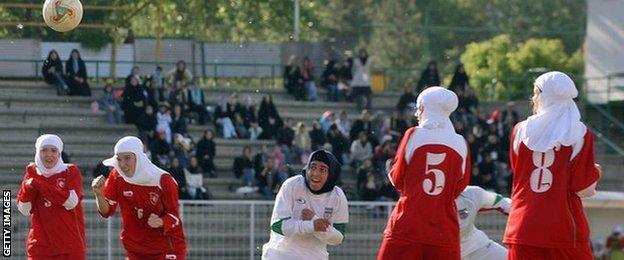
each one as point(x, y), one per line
point(321, 225)
point(155, 221)
point(307, 214)
point(98, 185)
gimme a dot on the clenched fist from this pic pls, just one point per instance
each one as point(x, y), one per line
point(98, 185)
point(155, 221)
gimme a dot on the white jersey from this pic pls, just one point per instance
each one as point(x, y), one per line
point(294, 238)
point(469, 202)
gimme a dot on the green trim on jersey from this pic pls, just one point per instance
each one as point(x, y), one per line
point(342, 227)
point(277, 226)
point(498, 199)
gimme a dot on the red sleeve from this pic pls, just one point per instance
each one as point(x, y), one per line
point(512, 153)
point(171, 216)
point(584, 170)
point(110, 193)
point(397, 172)
point(465, 179)
point(26, 194)
point(57, 195)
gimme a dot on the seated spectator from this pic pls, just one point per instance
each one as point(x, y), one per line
point(362, 173)
point(343, 123)
point(179, 73)
point(177, 172)
point(239, 126)
point(387, 191)
point(317, 136)
point(160, 150)
point(178, 95)
point(243, 167)
point(52, 71)
point(133, 101)
point(486, 177)
point(150, 92)
point(146, 125)
point(361, 150)
point(285, 137)
point(307, 74)
point(179, 122)
point(76, 74)
point(222, 116)
point(197, 105)
point(302, 142)
point(327, 119)
point(340, 144)
point(158, 82)
point(206, 151)
point(255, 131)
point(268, 118)
point(292, 78)
point(398, 125)
point(163, 118)
point(407, 101)
point(195, 181)
point(269, 179)
point(182, 147)
point(329, 80)
point(363, 124)
point(278, 155)
point(248, 111)
point(344, 80)
point(135, 72)
point(385, 151)
point(369, 190)
point(261, 158)
point(108, 104)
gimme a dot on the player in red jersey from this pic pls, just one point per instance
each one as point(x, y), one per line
point(431, 168)
point(148, 199)
point(50, 194)
point(552, 157)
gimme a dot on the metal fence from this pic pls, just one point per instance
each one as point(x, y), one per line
point(238, 229)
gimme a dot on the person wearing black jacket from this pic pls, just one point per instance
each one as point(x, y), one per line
point(177, 172)
point(317, 136)
point(52, 71)
point(146, 124)
point(206, 151)
point(268, 118)
point(460, 79)
point(430, 77)
point(339, 143)
point(133, 101)
point(76, 72)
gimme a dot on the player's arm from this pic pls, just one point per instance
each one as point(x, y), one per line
point(68, 198)
point(335, 233)
point(492, 201)
point(171, 216)
point(585, 172)
point(283, 221)
point(105, 195)
point(397, 174)
point(464, 180)
point(26, 195)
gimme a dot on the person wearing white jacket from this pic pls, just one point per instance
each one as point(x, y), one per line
point(310, 212)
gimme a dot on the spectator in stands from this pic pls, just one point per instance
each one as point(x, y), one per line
point(255, 131)
point(243, 167)
point(363, 124)
point(268, 118)
point(267, 179)
point(486, 177)
point(133, 101)
point(52, 71)
point(345, 76)
point(146, 125)
point(460, 80)
point(76, 72)
point(261, 157)
point(179, 122)
point(302, 144)
point(292, 78)
point(407, 101)
point(135, 72)
point(429, 77)
point(361, 150)
point(615, 244)
point(179, 73)
point(222, 118)
point(248, 110)
point(385, 151)
point(340, 144)
point(182, 146)
point(369, 190)
point(327, 119)
point(285, 137)
point(343, 123)
point(195, 181)
point(159, 82)
point(307, 74)
point(178, 95)
point(387, 191)
point(239, 125)
point(510, 114)
point(177, 172)
point(163, 118)
point(398, 125)
point(206, 151)
point(361, 88)
point(160, 150)
point(329, 80)
point(108, 104)
point(150, 91)
point(317, 136)
point(362, 173)
point(197, 105)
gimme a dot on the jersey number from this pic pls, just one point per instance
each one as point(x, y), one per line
point(541, 177)
point(434, 178)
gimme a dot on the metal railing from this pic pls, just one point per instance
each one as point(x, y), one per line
point(238, 229)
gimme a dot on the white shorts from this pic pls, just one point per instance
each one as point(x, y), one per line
point(492, 251)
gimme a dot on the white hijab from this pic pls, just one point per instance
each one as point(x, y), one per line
point(438, 104)
point(557, 122)
point(55, 141)
point(145, 173)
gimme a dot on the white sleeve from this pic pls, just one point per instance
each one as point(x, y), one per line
point(490, 200)
point(72, 200)
point(283, 221)
point(336, 232)
point(24, 207)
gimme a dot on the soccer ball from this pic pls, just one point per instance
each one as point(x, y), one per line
point(62, 15)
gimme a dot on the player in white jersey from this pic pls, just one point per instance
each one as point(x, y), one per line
point(310, 212)
point(474, 243)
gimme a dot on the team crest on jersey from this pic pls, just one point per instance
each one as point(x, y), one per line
point(128, 193)
point(463, 213)
point(60, 182)
point(301, 201)
point(47, 203)
point(328, 213)
point(153, 196)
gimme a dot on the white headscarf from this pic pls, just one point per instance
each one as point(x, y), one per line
point(438, 104)
point(557, 122)
point(145, 173)
point(55, 141)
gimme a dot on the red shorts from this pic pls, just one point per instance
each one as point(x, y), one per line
point(517, 252)
point(394, 249)
point(139, 256)
point(71, 256)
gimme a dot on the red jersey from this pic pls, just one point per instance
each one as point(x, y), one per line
point(545, 210)
point(54, 230)
point(137, 203)
point(430, 170)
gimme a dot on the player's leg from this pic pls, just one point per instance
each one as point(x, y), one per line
point(492, 251)
point(393, 249)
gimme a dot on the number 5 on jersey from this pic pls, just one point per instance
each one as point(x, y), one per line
point(434, 178)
